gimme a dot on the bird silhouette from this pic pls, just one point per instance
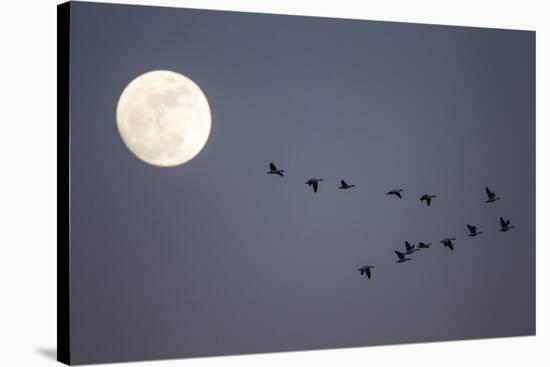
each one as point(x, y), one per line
point(366, 270)
point(410, 248)
point(491, 196)
point(401, 257)
point(473, 230)
point(424, 245)
point(395, 192)
point(274, 171)
point(505, 225)
point(427, 198)
point(314, 182)
point(447, 242)
point(344, 185)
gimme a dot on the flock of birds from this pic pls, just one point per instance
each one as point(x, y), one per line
point(409, 249)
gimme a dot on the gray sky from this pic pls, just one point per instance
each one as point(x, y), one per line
point(216, 257)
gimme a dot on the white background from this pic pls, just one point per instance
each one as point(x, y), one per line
point(28, 182)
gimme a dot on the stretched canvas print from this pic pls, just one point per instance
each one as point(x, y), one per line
point(237, 183)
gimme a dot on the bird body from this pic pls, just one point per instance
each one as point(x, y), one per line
point(395, 192)
point(427, 198)
point(344, 185)
point(401, 258)
point(473, 230)
point(491, 196)
point(505, 225)
point(410, 248)
point(366, 270)
point(314, 182)
point(274, 171)
point(447, 242)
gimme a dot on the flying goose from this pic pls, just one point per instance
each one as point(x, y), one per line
point(505, 225)
point(274, 171)
point(401, 257)
point(314, 182)
point(473, 230)
point(447, 242)
point(491, 196)
point(344, 185)
point(366, 270)
point(427, 198)
point(424, 245)
point(395, 192)
point(410, 248)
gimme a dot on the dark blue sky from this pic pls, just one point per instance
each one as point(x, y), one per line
point(216, 257)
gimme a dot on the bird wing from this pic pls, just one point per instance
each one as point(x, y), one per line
point(503, 223)
point(400, 255)
point(472, 229)
point(451, 245)
point(280, 173)
point(343, 183)
point(490, 194)
point(367, 270)
point(408, 245)
point(272, 166)
point(398, 194)
point(314, 186)
point(428, 200)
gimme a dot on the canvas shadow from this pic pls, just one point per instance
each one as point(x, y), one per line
point(49, 353)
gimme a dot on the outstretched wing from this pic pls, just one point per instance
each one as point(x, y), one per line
point(343, 183)
point(450, 245)
point(367, 270)
point(503, 223)
point(272, 166)
point(490, 194)
point(408, 245)
point(398, 194)
point(472, 229)
point(314, 186)
point(428, 200)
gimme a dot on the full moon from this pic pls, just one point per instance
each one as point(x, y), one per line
point(163, 118)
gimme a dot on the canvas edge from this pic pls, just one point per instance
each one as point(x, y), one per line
point(63, 240)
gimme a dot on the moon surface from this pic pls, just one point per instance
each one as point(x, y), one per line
point(163, 118)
